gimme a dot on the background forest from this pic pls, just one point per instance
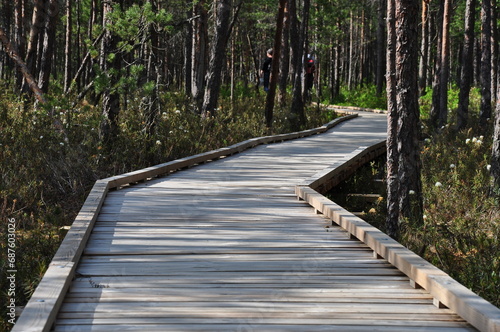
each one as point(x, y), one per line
point(94, 88)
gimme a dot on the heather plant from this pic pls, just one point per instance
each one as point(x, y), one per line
point(462, 220)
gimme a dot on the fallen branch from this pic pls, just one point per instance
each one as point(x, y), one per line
point(39, 95)
point(11, 52)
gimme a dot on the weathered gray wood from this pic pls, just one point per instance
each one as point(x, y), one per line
point(45, 302)
point(477, 311)
point(226, 246)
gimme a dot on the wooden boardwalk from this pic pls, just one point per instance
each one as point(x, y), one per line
point(227, 246)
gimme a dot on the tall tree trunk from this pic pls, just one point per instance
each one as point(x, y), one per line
point(485, 112)
point(19, 37)
point(275, 64)
point(49, 40)
point(379, 77)
point(495, 151)
point(392, 220)
point(445, 66)
point(436, 83)
point(494, 50)
point(199, 52)
point(410, 186)
point(188, 53)
point(424, 47)
point(67, 50)
point(297, 116)
point(217, 58)
point(110, 98)
point(285, 56)
point(351, 61)
point(152, 106)
point(294, 36)
point(467, 66)
point(37, 21)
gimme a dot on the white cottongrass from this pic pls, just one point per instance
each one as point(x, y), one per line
point(488, 167)
point(452, 166)
point(438, 184)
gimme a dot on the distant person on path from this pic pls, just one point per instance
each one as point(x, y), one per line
point(310, 69)
point(266, 69)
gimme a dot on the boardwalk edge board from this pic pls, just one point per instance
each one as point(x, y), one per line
point(41, 310)
point(446, 291)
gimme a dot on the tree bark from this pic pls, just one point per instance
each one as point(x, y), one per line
point(294, 36)
point(494, 50)
point(436, 83)
point(199, 52)
point(445, 66)
point(275, 64)
point(379, 76)
point(285, 56)
point(19, 36)
point(392, 220)
point(485, 112)
point(297, 116)
point(37, 21)
point(67, 49)
point(217, 58)
point(410, 186)
point(110, 98)
point(49, 39)
point(424, 48)
point(467, 70)
point(495, 150)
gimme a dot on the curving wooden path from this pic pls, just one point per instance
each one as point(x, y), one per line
point(227, 246)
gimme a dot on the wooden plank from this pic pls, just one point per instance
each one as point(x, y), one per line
point(40, 312)
point(252, 325)
point(75, 240)
point(200, 315)
point(139, 307)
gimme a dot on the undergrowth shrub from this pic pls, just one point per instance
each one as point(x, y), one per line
point(364, 96)
point(462, 220)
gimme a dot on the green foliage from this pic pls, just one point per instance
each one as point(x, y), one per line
point(136, 20)
point(366, 96)
point(462, 222)
point(425, 102)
